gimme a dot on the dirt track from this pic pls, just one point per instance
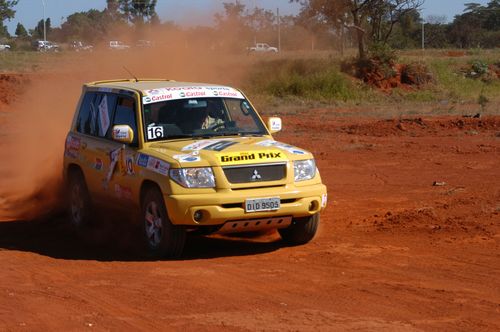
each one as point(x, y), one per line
point(394, 252)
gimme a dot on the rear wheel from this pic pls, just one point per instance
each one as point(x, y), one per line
point(79, 201)
point(301, 231)
point(162, 238)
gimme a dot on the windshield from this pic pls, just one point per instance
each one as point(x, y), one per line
point(201, 117)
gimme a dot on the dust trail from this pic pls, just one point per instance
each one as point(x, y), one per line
point(34, 127)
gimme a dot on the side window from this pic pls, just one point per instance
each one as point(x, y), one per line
point(125, 115)
point(96, 113)
point(84, 120)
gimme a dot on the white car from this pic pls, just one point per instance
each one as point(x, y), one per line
point(263, 48)
point(4, 47)
point(118, 45)
point(46, 46)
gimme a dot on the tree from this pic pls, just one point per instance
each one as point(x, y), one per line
point(6, 13)
point(373, 20)
point(37, 32)
point(89, 26)
point(21, 31)
point(137, 11)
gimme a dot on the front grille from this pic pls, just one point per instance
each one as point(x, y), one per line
point(255, 173)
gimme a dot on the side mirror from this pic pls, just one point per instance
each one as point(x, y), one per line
point(274, 125)
point(123, 134)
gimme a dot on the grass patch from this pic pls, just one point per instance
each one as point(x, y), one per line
point(454, 85)
point(311, 79)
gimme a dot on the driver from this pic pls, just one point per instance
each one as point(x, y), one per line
point(203, 120)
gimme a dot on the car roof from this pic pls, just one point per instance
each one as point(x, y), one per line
point(142, 85)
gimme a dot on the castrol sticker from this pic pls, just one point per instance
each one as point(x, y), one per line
point(186, 92)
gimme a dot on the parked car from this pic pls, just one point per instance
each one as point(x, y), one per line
point(263, 48)
point(186, 157)
point(4, 47)
point(80, 46)
point(46, 46)
point(117, 45)
point(144, 44)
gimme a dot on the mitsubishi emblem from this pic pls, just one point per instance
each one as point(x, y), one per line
point(256, 176)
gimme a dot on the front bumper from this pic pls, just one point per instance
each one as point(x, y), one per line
point(228, 205)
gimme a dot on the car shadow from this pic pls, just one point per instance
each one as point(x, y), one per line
point(115, 240)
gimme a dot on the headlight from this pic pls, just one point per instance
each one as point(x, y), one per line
point(304, 169)
point(193, 177)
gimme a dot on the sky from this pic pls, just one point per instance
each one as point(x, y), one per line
point(188, 12)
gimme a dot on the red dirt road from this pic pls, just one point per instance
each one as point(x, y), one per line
point(394, 252)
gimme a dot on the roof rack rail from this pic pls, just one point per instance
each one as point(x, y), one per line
point(131, 80)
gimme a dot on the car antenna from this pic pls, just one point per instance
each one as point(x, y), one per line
point(128, 71)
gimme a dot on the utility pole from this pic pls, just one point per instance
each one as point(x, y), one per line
point(44, 25)
point(279, 29)
point(255, 32)
point(423, 31)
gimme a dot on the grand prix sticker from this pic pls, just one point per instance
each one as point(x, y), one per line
point(187, 158)
point(163, 94)
point(240, 158)
point(290, 148)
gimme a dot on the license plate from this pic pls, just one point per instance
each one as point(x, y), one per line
point(262, 204)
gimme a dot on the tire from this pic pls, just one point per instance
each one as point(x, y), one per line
point(162, 239)
point(79, 205)
point(301, 231)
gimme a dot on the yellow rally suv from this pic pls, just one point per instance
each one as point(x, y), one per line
point(189, 157)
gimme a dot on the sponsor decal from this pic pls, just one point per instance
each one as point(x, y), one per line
point(187, 158)
point(275, 124)
point(156, 95)
point(114, 157)
point(72, 147)
point(129, 165)
point(123, 192)
point(158, 166)
point(143, 160)
point(121, 132)
point(153, 164)
point(237, 158)
point(324, 200)
point(98, 164)
point(290, 148)
point(219, 146)
point(198, 145)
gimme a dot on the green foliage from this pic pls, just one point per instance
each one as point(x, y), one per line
point(6, 11)
point(21, 31)
point(137, 11)
point(479, 67)
point(311, 79)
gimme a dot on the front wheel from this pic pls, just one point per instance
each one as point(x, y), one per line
point(162, 238)
point(301, 231)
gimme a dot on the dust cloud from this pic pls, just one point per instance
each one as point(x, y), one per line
point(33, 129)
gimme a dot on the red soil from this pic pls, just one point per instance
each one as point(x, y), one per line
point(394, 252)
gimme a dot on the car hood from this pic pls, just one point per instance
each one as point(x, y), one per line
point(225, 151)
